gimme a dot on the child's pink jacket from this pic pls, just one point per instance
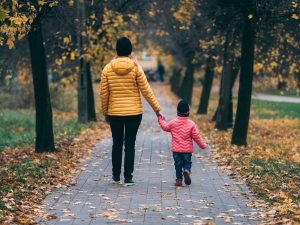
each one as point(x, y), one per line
point(183, 131)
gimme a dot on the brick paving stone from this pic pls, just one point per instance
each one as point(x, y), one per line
point(95, 200)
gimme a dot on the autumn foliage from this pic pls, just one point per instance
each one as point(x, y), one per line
point(184, 34)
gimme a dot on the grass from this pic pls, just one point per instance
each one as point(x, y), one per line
point(274, 110)
point(261, 109)
point(289, 93)
point(17, 127)
point(275, 168)
point(282, 176)
point(23, 173)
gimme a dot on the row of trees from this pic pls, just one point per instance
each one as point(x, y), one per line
point(79, 37)
point(235, 34)
point(77, 33)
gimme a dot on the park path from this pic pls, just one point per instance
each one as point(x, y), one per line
point(275, 98)
point(95, 200)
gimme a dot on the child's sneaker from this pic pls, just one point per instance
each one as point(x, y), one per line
point(178, 183)
point(187, 177)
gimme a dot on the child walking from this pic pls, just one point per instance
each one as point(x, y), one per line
point(183, 131)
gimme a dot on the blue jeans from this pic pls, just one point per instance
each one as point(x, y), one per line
point(182, 161)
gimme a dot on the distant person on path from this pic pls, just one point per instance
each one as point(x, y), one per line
point(122, 80)
point(161, 71)
point(183, 131)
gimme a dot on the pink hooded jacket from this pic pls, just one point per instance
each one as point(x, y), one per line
point(183, 131)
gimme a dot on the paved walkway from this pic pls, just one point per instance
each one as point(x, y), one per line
point(275, 98)
point(213, 198)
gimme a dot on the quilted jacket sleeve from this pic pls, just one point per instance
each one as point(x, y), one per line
point(104, 92)
point(146, 90)
point(197, 137)
point(164, 125)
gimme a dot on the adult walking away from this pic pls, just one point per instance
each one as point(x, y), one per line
point(160, 70)
point(122, 80)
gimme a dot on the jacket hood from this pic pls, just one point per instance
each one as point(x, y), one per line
point(122, 65)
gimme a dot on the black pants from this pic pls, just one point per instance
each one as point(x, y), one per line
point(124, 127)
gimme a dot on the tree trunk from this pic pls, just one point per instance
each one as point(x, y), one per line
point(175, 80)
point(222, 115)
point(44, 131)
point(226, 47)
point(239, 136)
point(208, 80)
point(82, 93)
point(172, 85)
point(186, 89)
point(86, 105)
point(90, 95)
point(235, 71)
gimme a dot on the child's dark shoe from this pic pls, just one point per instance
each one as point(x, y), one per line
point(178, 183)
point(187, 177)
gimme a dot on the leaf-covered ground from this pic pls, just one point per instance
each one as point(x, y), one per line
point(270, 164)
point(26, 177)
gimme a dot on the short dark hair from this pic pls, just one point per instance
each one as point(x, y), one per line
point(183, 109)
point(123, 47)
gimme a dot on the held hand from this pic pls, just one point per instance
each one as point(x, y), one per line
point(158, 114)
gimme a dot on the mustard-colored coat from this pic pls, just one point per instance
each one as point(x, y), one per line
point(121, 83)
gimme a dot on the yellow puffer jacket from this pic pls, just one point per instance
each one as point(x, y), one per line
point(121, 83)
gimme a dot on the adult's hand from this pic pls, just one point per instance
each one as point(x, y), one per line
point(158, 114)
